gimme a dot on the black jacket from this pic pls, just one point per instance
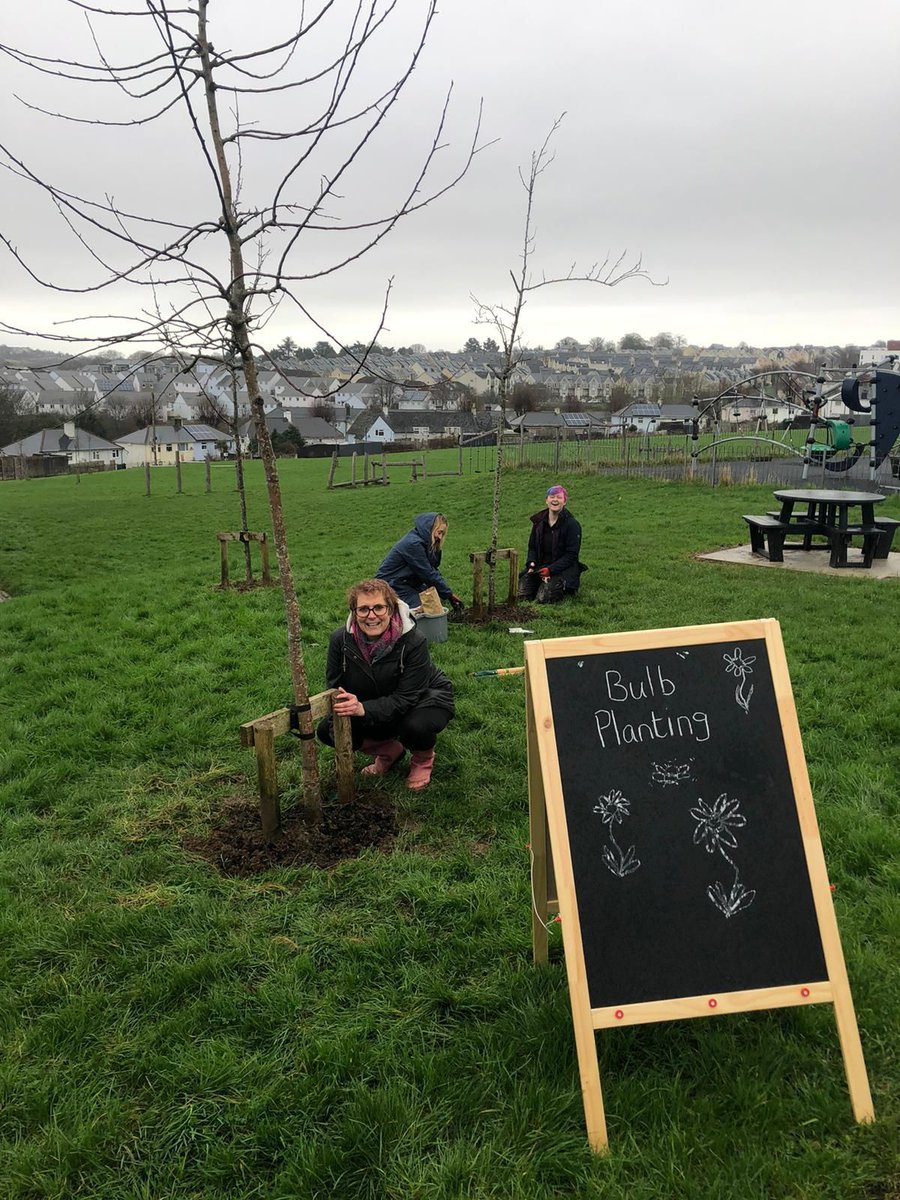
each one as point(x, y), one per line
point(564, 539)
point(405, 678)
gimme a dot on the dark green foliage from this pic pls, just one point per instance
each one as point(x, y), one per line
point(377, 1031)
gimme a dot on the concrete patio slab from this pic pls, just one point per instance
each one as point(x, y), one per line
point(811, 561)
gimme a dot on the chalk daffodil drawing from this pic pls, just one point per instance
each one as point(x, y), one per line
point(612, 809)
point(714, 830)
point(737, 664)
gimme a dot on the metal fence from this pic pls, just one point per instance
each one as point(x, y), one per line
point(715, 460)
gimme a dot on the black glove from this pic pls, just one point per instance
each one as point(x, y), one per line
point(456, 602)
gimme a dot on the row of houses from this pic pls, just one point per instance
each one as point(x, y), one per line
point(203, 392)
point(164, 444)
point(160, 446)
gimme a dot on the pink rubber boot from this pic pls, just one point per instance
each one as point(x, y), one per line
point(420, 765)
point(386, 754)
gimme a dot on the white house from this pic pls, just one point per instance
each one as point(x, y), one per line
point(641, 416)
point(77, 446)
point(159, 444)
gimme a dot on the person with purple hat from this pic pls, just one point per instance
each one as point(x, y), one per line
point(553, 569)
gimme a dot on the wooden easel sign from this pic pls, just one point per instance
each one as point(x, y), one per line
point(666, 771)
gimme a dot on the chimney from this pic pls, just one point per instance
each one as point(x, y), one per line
point(69, 429)
point(176, 424)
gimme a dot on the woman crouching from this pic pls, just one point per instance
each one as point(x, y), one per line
point(396, 698)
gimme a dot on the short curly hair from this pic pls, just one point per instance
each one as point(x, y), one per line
point(372, 587)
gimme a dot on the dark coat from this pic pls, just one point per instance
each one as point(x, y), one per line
point(564, 539)
point(412, 563)
point(405, 678)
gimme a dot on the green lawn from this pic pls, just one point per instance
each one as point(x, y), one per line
point(378, 1031)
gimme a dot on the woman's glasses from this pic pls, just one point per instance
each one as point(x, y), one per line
point(377, 610)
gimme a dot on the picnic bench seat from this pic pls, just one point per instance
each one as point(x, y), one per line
point(888, 527)
point(767, 535)
point(840, 541)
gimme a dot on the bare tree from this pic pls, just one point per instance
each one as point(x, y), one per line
point(452, 394)
point(388, 389)
point(213, 410)
point(215, 276)
point(505, 319)
point(528, 397)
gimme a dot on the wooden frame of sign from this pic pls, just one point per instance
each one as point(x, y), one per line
point(684, 743)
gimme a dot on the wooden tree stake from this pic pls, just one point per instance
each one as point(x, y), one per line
point(269, 806)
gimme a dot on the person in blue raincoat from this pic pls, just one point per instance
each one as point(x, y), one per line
point(412, 564)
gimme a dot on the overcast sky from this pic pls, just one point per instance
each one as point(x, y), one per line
point(747, 151)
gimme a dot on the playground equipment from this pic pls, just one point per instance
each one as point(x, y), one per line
point(836, 436)
point(871, 389)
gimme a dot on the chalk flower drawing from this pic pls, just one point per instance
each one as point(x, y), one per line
point(670, 773)
point(612, 810)
point(741, 667)
point(715, 825)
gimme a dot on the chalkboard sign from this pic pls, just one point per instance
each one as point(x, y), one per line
point(666, 769)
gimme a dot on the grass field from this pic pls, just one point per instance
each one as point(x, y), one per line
point(378, 1031)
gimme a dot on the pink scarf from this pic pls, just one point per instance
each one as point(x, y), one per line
point(374, 648)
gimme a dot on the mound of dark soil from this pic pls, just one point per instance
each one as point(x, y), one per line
point(235, 844)
point(503, 614)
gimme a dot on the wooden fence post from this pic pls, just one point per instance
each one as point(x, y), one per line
point(478, 585)
point(513, 575)
point(147, 478)
point(208, 475)
point(334, 458)
point(264, 554)
point(343, 759)
point(269, 806)
point(178, 471)
point(223, 552)
point(353, 469)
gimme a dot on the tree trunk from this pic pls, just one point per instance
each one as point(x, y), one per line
point(495, 508)
point(238, 320)
point(239, 473)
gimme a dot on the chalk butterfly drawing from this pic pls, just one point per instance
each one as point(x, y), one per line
point(741, 667)
point(715, 825)
point(670, 773)
point(612, 809)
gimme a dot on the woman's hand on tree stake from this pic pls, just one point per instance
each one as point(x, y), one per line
point(345, 704)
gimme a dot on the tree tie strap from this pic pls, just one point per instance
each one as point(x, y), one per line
point(294, 711)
